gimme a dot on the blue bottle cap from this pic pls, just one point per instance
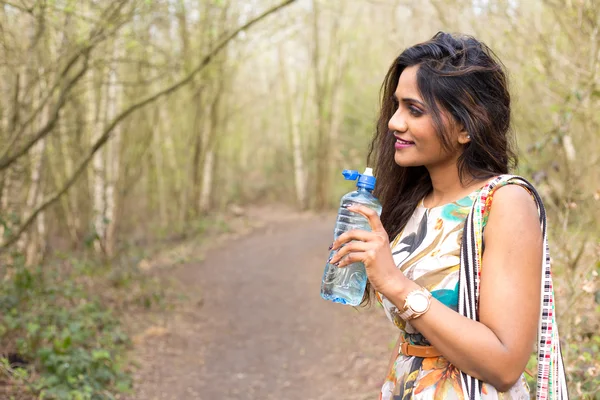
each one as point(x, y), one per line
point(366, 180)
point(350, 174)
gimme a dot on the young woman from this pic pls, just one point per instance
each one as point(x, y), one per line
point(443, 144)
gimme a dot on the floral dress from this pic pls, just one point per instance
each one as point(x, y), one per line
point(428, 252)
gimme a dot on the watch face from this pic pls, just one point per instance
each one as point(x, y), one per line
point(418, 302)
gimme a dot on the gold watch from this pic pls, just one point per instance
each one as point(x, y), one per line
point(416, 304)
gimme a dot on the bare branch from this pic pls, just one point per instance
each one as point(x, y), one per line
point(96, 36)
point(35, 113)
point(17, 7)
point(6, 161)
point(101, 141)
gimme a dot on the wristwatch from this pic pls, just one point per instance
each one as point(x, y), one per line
point(417, 303)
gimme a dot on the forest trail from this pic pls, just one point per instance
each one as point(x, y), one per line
point(256, 328)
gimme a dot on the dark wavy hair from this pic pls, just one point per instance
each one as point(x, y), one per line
point(459, 77)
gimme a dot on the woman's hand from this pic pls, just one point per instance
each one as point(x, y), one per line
point(373, 250)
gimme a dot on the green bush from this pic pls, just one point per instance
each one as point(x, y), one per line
point(72, 341)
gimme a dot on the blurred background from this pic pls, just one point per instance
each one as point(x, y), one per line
point(145, 144)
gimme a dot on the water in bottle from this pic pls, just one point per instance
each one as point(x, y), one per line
point(346, 285)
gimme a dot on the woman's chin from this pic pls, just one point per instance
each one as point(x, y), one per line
point(406, 162)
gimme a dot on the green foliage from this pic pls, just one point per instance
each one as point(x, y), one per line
point(72, 341)
point(584, 367)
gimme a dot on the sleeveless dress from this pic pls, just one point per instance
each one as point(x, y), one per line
point(428, 252)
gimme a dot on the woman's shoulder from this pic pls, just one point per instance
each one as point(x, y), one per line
point(511, 188)
point(513, 197)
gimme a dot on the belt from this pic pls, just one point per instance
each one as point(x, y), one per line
point(429, 351)
point(417, 351)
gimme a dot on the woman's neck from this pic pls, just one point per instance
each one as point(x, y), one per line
point(447, 186)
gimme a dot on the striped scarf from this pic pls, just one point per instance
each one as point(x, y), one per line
point(551, 381)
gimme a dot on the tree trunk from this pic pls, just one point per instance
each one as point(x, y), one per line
point(98, 116)
point(35, 239)
point(69, 201)
point(323, 142)
point(207, 175)
point(196, 167)
point(27, 105)
point(162, 194)
point(191, 190)
point(113, 157)
point(210, 136)
point(294, 130)
point(339, 67)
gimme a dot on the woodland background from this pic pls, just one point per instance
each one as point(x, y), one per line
point(133, 123)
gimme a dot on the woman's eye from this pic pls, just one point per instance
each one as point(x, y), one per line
point(414, 111)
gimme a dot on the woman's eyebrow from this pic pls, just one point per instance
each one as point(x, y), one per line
point(409, 100)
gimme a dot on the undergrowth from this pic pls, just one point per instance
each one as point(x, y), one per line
point(61, 328)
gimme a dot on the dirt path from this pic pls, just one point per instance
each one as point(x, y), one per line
point(256, 327)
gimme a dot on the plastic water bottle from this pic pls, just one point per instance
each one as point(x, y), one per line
point(346, 285)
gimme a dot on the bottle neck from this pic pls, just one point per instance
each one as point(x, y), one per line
point(362, 189)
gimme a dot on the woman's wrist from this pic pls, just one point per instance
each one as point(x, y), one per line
point(398, 288)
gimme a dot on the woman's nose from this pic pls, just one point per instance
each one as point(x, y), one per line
point(397, 122)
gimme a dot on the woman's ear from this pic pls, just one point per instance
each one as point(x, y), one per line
point(464, 137)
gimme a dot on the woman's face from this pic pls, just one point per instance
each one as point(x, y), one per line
point(417, 143)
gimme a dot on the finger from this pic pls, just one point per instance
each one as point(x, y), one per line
point(370, 214)
point(351, 247)
point(354, 234)
point(351, 259)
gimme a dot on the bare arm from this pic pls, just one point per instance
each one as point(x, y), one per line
point(495, 349)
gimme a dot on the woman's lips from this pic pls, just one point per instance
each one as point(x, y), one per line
point(402, 144)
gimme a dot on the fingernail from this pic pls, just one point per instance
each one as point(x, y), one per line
point(331, 247)
point(337, 264)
